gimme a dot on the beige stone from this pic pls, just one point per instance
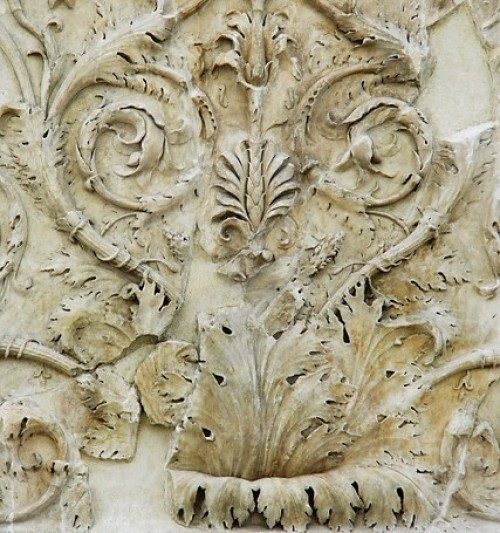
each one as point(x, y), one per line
point(249, 265)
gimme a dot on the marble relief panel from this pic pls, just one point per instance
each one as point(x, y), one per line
point(249, 265)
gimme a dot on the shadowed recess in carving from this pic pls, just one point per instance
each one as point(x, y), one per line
point(239, 220)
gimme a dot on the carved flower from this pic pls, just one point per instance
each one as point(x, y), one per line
point(388, 138)
point(257, 40)
point(256, 189)
point(91, 329)
point(142, 141)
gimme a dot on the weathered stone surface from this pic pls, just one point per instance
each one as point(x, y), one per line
point(249, 265)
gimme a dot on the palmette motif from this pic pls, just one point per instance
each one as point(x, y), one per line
point(345, 377)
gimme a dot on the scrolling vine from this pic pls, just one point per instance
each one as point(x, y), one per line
point(280, 143)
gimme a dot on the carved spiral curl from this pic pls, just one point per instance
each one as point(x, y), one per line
point(146, 147)
point(368, 158)
point(362, 149)
point(21, 424)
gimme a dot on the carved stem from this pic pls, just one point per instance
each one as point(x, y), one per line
point(480, 359)
point(427, 229)
point(188, 9)
point(50, 495)
point(49, 49)
point(334, 190)
point(416, 391)
point(17, 10)
point(319, 87)
point(429, 226)
point(59, 468)
point(257, 55)
point(150, 204)
point(29, 349)
point(328, 8)
point(84, 74)
point(257, 89)
point(80, 229)
point(16, 60)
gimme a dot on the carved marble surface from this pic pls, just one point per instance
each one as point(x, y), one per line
point(249, 265)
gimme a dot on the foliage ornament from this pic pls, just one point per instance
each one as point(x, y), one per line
point(259, 241)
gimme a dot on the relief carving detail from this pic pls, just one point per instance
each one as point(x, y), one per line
point(241, 222)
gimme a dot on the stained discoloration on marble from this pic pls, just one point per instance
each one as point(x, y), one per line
point(249, 260)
